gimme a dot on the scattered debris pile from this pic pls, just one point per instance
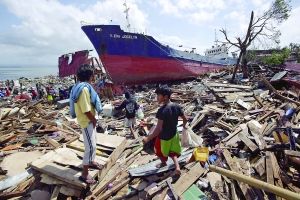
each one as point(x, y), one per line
point(250, 146)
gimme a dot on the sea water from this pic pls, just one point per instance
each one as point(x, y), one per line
point(16, 72)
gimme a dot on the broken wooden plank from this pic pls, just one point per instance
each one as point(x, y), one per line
point(260, 166)
point(246, 99)
point(43, 121)
point(52, 142)
point(237, 131)
point(197, 119)
point(226, 90)
point(114, 189)
point(55, 192)
point(269, 168)
point(155, 188)
point(268, 85)
point(248, 142)
point(228, 86)
point(292, 153)
point(112, 159)
point(246, 190)
point(186, 180)
point(175, 196)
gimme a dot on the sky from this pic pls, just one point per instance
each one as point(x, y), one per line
point(37, 32)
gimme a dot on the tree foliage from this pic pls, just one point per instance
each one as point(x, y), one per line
point(263, 27)
point(277, 58)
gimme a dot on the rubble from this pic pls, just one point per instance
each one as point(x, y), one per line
point(250, 128)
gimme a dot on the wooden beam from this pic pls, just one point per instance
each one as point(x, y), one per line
point(175, 196)
point(292, 153)
point(252, 146)
point(52, 142)
point(269, 168)
point(228, 86)
point(268, 85)
point(246, 190)
point(113, 190)
point(186, 180)
point(55, 192)
point(260, 166)
point(112, 159)
point(43, 121)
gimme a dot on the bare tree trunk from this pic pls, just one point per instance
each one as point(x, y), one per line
point(244, 66)
point(236, 66)
point(243, 46)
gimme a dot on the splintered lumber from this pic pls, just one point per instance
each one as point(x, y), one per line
point(268, 85)
point(112, 159)
point(57, 165)
point(43, 121)
point(266, 115)
point(260, 166)
point(237, 131)
point(248, 142)
point(292, 153)
point(246, 99)
point(113, 190)
point(269, 168)
point(55, 192)
point(276, 170)
point(172, 190)
point(197, 119)
point(52, 142)
point(186, 180)
point(132, 155)
point(233, 166)
point(287, 194)
point(158, 187)
point(228, 86)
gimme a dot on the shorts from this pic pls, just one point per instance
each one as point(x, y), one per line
point(167, 148)
point(130, 122)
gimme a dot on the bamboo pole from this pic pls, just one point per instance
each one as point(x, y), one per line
point(286, 194)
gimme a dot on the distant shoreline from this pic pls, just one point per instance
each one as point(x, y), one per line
point(16, 72)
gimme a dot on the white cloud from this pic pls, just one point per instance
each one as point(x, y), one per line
point(290, 29)
point(168, 7)
point(50, 28)
point(195, 11)
point(202, 17)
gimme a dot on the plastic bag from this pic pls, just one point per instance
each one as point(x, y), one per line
point(140, 114)
point(190, 139)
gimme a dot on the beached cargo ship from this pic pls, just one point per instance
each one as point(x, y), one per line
point(135, 58)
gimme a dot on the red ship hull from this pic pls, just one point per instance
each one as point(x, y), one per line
point(140, 70)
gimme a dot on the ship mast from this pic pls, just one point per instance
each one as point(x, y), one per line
point(126, 11)
point(216, 40)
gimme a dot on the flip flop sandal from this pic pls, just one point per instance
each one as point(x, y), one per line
point(88, 180)
point(96, 166)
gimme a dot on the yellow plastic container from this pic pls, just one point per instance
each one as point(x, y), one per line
point(201, 154)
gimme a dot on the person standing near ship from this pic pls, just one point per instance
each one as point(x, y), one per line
point(84, 102)
point(130, 106)
point(167, 141)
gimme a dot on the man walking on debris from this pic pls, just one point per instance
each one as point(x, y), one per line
point(167, 141)
point(83, 102)
point(131, 107)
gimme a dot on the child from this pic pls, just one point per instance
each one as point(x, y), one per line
point(83, 102)
point(131, 107)
point(167, 141)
